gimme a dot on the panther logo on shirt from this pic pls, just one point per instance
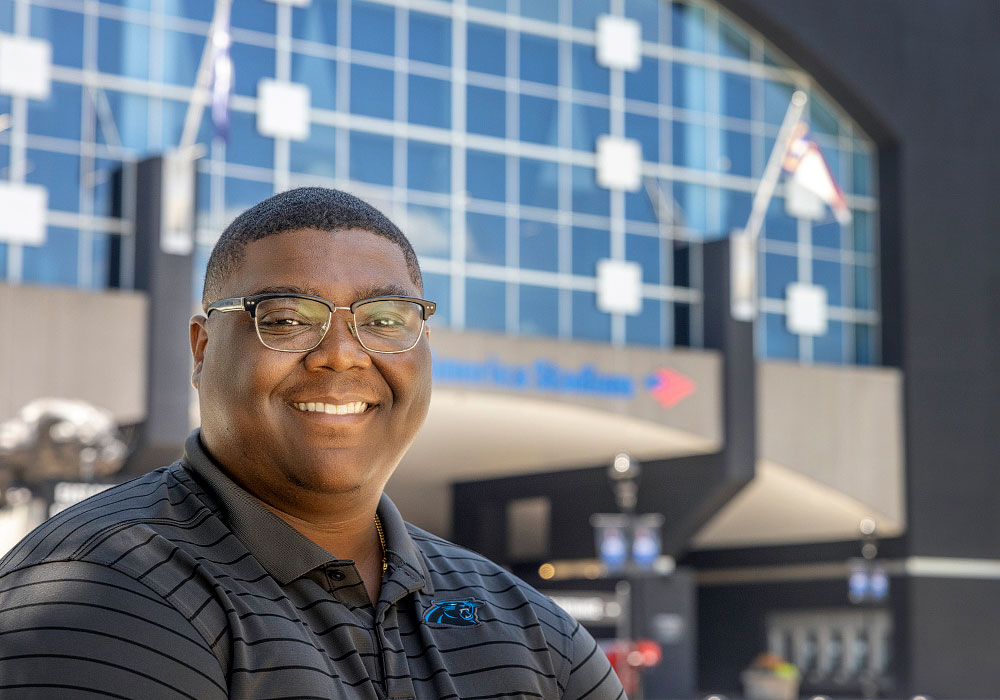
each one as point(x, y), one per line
point(454, 613)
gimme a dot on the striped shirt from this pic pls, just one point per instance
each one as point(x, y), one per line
point(180, 584)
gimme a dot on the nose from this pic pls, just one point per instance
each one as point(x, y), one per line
point(340, 349)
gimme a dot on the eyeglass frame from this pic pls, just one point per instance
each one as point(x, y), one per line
point(250, 303)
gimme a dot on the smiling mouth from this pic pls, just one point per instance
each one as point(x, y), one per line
point(343, 409)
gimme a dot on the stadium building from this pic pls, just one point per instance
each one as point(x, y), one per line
point(820, 474)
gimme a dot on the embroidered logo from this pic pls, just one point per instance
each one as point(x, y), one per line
point(454, 613)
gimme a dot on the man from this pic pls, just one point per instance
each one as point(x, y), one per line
point(267, 563)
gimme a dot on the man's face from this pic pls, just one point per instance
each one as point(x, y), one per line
point(251, 396)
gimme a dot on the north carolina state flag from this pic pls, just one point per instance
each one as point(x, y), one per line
point(805, 164)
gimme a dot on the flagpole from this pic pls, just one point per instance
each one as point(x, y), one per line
point(204, 76)
point(743, 244)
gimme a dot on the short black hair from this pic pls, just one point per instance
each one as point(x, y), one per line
point(302, 208)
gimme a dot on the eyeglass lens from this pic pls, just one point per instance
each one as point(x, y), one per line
point(292, 324)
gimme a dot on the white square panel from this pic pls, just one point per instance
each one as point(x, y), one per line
point(619, 286)
point(283, 109)
point(619, 42)
point(806, 309)
point(23, 208)
point(619, 163)
point(25, 67)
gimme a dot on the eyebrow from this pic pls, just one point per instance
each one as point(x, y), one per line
point(379, 290)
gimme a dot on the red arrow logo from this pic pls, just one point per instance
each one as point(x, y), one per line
point(669, 387)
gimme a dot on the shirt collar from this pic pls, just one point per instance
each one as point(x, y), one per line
point(284, 552)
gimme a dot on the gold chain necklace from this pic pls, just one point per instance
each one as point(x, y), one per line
point(381, 539)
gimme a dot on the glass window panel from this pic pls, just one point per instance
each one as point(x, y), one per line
point(538, 310)
point(485, 238)
point(638, 207)
point(539, 245)
point(6, 25)
point(826, 233)
point(251, 63)
point(733, 41)
point(547, 10)
point(776, 99)
point(317, 154)
point(588, 197)
point(647, 12)
point(486, 175)
point(371, 158)
point(539, 59)
point(373, 27)
point(589, 246)
point(59, 173)
point(643, 84)
point(246, 145)
point(100, 248)
point(437, 288)
point(317, 22)
point(822, 117)
point(644, 250)
point(64, 30)
point(539, 120)
point(778, 225)
point(485, 305)
point(864, 287)
point(735, 95)
point(320, 74)
point(588, 124)
point(128, 119)
point(429, 230)
point(174, 113)
point(105, 202)
point(254, 14)
point(690, 85)
point(3, 260)
point(688, 26)
point(779, 272)
point(863, 225)
point(428, 166)
point(430, 38)
point(644, 328)
point(682, 324)
point(589, 323)
point(496, 5)
point(585, 12)
point(122, 48)
point(192, 9)
point(829, 347)
point(587, 74)
point(487, 49)
point(691, 201)
point(645, 130)
point(539, 183)
point(736, 153)
point(736, 206)
point(242, 194)
point(56, 261)
point(829, 275)
point(59, 115)
point(779, 342)
point(690, 144)
point(429, 101)
point(371, 91)
point(181, 55)
point(863, 173)
point(864, 345)
point(486, 111)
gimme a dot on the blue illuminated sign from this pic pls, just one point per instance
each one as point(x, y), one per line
point(541, 375)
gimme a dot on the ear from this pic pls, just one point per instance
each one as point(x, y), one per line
point(198, 330)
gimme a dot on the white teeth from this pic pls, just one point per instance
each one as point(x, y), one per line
point(338, 409)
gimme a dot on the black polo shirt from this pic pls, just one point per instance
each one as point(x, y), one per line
point(180, 584)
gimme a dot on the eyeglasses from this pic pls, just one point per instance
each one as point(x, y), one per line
point(299, 322)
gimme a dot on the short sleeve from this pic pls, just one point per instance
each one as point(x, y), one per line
point(82, 630)
point(591, 676)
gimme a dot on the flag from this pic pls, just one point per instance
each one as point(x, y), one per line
point(222, 71)
point(808, 170)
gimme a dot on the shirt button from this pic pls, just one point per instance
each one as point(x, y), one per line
point(338, 575)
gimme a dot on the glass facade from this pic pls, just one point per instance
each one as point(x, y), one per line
point(473, 124)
